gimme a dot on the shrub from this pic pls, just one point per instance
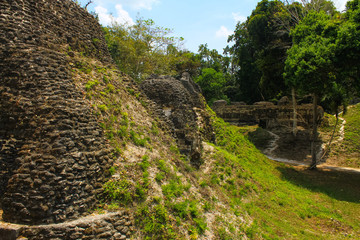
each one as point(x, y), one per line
point(118, 190)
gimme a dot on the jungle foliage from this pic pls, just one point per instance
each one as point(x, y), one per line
point(305, 45)
point(144, 48)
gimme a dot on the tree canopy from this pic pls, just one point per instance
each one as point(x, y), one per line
point(144, 49)
point(259, 49)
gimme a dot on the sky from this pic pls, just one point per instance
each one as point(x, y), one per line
point(197, 21)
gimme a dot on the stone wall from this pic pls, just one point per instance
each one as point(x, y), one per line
point(110, 226)
point(49, 24)
point(266, 114)
point(53, 154)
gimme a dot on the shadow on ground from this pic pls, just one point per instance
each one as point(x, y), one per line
point(343, 186)
point(281, 143)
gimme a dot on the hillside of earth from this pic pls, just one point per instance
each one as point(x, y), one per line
point(87, 152)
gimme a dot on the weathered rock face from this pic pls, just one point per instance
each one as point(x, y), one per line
point(181, 105)
point(53, 156)
point(104, 226)
point(266, 114)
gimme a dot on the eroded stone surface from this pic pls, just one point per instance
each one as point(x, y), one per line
point(112, 226)
point(53, 155)
point(180, 103)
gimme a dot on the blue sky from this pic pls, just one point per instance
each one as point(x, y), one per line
point(198, 21)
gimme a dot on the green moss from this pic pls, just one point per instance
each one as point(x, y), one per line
point(173, 189)
point(96, 41)
point(113, 170)
point(110, 88)
point(145, 163)
point(103, 108)
point(154, 128)
point(91, 84)
point(138, 139)
point(159, 176)
point(105, 79)
point(162, 166)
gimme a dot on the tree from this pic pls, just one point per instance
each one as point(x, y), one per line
point(144, 48)
point(215, 77)
point(348, 48)
point(188, 62)
point(299, 9)
point(212, 59)
point(247, 75)
point(212, 84)
point(259, 50)
point(309, 66)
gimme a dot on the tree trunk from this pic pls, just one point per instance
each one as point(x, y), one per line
point(314, 132)
point(294, 111)
point(331, 138)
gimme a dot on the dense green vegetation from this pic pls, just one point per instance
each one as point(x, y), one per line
point(352, 135)
point(144, 49)
point(282, 44)
point(259, 50)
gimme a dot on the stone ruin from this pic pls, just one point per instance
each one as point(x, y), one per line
point(54, 157)
point(266, 114)
point(278, 119)
point(180, 104)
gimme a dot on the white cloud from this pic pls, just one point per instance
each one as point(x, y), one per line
point(140, 4)
point(223, 32)
point(104, 17)
point(123, 16)
point(107, 18)
point(340, 4)
point(238, 18)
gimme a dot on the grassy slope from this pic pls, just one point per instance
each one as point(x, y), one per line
point(347, 152)
point(287, 202)
point(237, 192)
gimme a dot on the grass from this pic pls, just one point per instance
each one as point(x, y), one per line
point(285, 202)
point(279, 201)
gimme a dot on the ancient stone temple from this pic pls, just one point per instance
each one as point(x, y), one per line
point(53, 154)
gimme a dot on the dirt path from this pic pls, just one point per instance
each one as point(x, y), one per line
point(341, 137)
point(272, 144)
point(320, 166)
point(342, 130)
